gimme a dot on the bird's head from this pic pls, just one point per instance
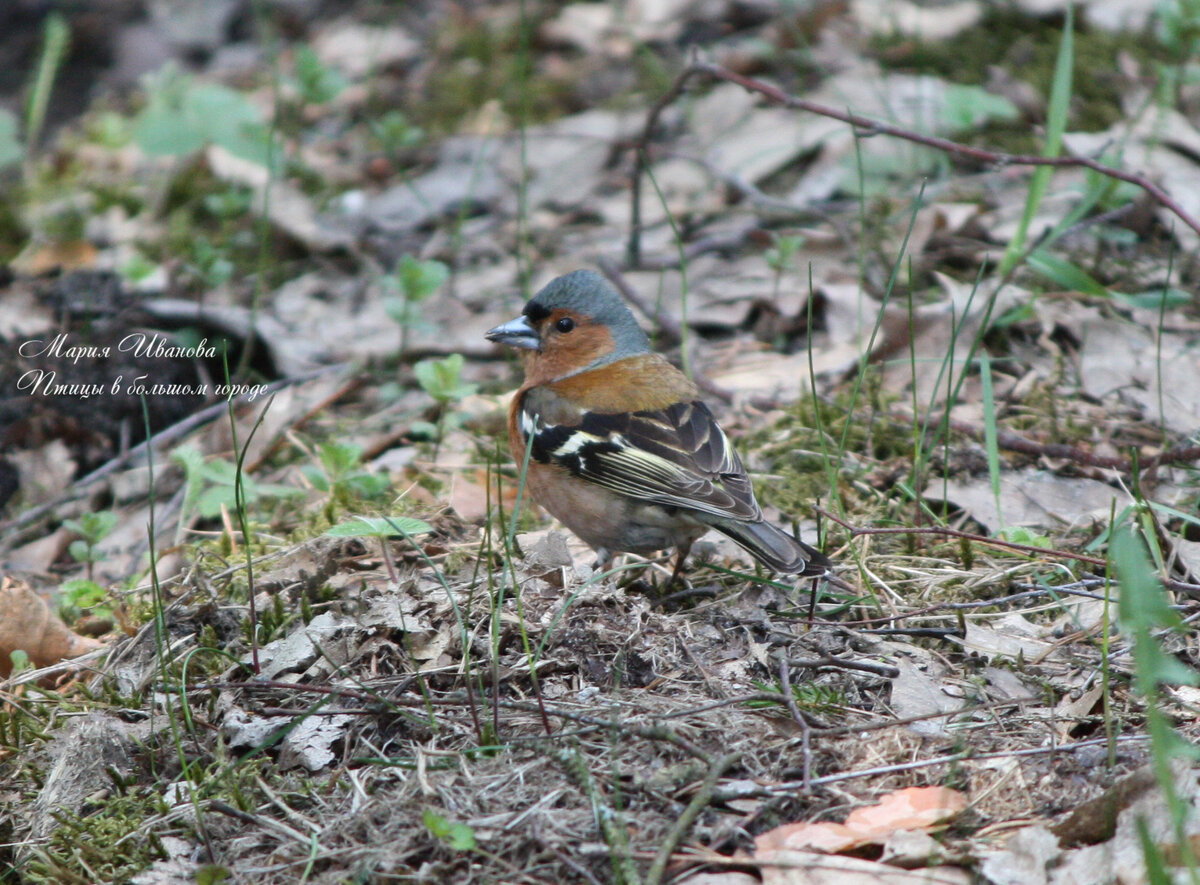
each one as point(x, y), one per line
point(576, 323)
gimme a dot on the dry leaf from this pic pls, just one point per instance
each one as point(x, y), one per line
point(808, 868)
point(28, 625)
point(915, 808)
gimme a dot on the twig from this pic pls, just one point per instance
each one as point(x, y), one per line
point(867, 127)
point(1076, 455)
point(789, 699)
point(882, 670)
point(680, 828)
point(994, 158)
point(855, 531)
point(633, 252)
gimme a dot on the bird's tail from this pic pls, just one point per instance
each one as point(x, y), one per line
point(774, 548)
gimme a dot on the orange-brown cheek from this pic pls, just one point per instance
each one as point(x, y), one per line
point(563, 355)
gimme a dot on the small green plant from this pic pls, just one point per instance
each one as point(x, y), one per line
point(209, 265)
point(316, 82)
point(182, 116)
point(137, 268)
point(340, 474)
point(412, 282)
point(780, 256)
point(56, 37)
point(109, 129)
point(92, 528)
point(56, 40)
point(230, 203)
point(11, 149)
point(395, 133)
point(82, 596)
point(212, 485)
point(442, 380)
point(460, 837)
point(1145, 614)
point(379, 527)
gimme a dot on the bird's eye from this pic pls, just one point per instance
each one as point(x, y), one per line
point(566, 324)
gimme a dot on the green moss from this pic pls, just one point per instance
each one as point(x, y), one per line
point(482, 59)
point(107, 844)
point(1028, 47)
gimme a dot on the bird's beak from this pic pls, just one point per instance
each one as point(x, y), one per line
point(515, 333)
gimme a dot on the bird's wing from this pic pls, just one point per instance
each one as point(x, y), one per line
point(677, 456)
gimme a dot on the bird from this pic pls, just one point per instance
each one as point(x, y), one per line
point(619, 445)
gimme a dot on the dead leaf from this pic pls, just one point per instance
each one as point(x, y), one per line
point(914, 808)
point(1025, 860)
point(917, 692)
point(809, 868)
point(905, 18)
point(28, 625)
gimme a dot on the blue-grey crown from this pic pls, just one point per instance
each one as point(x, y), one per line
point(588, 293)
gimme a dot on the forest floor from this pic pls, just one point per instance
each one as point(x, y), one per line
point(317, 633)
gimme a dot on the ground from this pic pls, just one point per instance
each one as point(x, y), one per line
point(319, 633)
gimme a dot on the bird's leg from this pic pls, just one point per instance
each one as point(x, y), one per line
point(684, 549)
point(604, 559)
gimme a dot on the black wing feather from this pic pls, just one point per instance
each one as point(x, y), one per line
point(677, 456)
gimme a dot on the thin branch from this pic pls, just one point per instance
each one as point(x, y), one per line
point(684, 823)
point(633, 252)
point(789, 698)
point(995, 158)
point(1076, 455)
point(855, 531)
point(866, 127)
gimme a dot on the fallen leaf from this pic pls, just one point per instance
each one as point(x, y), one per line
point(914, 808)
point(810, 868)
point(28, 625)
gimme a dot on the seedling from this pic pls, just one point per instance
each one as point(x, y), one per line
point(212, 485)
point(92, 529)
point(379, 527)
point(341, 475)
point(779, 257)
point(80, 596)
point(415, 281)
point(182, 116)
point(395, 133)
point(316, 82)
point(442, 380)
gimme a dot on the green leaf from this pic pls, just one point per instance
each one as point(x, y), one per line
point(420, 279)
point(441, 378)
point(967, 107)
point(1153, 299)
point(1065, 274)
point(317, 82)
point(339, 458)
point(1019, 534)
point(11, 149)
point(212, 874)
point(82, 593)
point(80, 551)
point(1056, 124)
point(379, 527)
point(20, 661)
point(459, 836)
point(368, 485)
point(316, 476)
point(182, 116)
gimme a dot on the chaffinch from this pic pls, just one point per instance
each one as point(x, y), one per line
point(621, 448)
